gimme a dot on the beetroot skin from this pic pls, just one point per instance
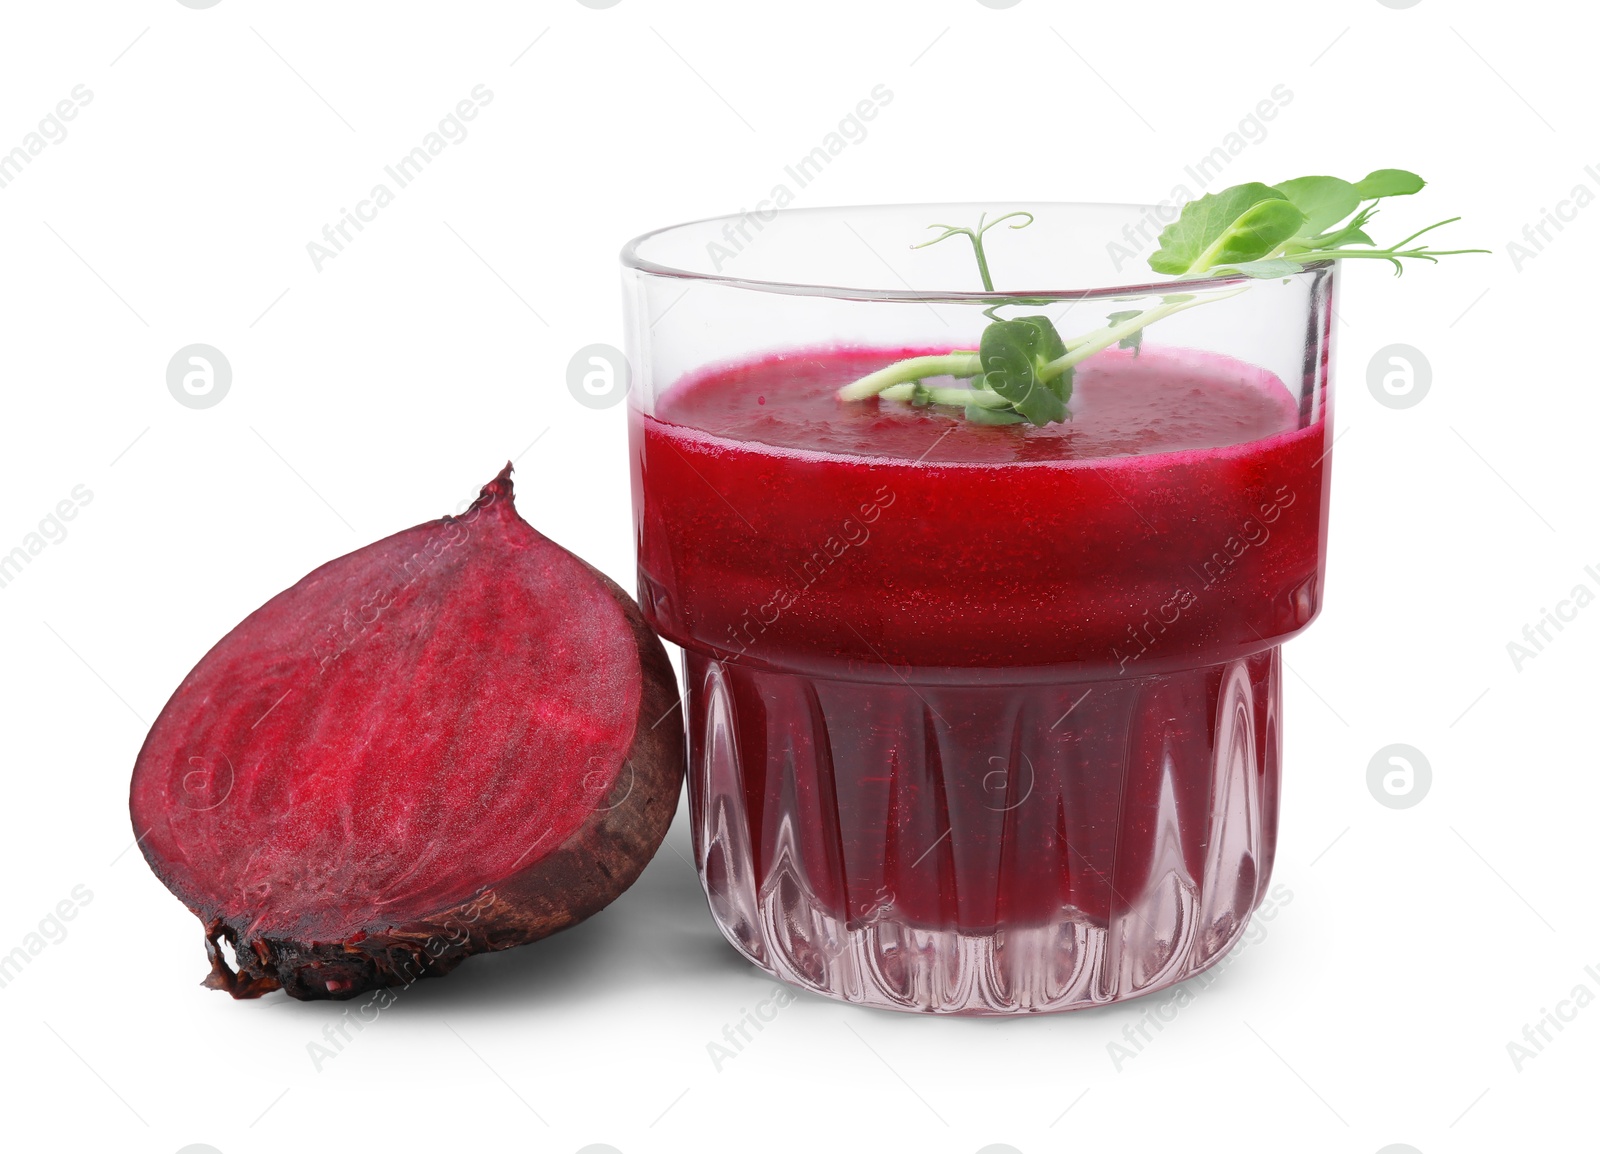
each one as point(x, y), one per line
point(461, 738)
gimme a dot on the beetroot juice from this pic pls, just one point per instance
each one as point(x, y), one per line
point(982, 681)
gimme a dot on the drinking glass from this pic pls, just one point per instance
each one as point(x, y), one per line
point(982, 719)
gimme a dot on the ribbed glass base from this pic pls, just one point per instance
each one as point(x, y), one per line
point(984, 848)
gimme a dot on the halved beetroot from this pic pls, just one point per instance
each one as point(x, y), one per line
point(461, 738)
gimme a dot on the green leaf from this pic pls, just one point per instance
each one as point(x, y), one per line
point(1047, 348)
point(1237, 224)
point(1048, 344)
point(1352, 231)
point(1388, 182)
point(1258, 233)
point(1012, 353)
point(1133, 341)
point(1325, 200)
point(979, 415)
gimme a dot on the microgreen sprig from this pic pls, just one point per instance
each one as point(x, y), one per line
point(1021, 371)
point(1271, 230)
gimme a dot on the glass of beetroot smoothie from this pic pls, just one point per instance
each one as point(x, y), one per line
point(984, 719)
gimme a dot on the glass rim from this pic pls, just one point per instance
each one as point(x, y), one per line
point(631, 259)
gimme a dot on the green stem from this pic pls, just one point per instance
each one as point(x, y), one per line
point(985, 398)
point(956, 363)
point(964, 363)
point(983, 262)
point(1380, 253)
point(1086, 346)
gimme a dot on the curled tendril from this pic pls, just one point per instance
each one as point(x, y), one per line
point(976, 237)
point(953, 229)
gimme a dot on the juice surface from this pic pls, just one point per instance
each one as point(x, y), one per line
point(1122, 404)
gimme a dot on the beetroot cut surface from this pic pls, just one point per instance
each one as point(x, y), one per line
point(458, 739)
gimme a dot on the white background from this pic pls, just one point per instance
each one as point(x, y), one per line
point(384, 389)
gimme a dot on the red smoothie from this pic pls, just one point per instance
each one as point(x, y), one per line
point(970, 678)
